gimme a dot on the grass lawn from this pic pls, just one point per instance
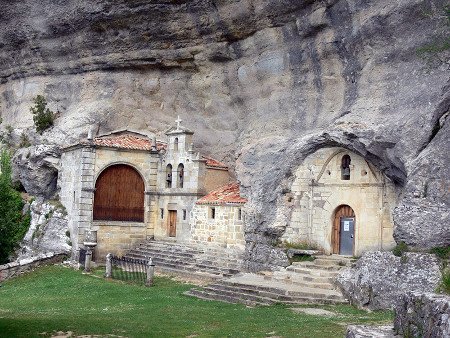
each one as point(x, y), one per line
point(57, 298)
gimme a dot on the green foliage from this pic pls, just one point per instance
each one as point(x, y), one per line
point(445, 286)
point(24, 141)
point(400, 249)
point(298, 245)
point(442, 252)
point(13, 224)
point(42, 116)
point(56, 298)
point(301, 258)
point(6, 136)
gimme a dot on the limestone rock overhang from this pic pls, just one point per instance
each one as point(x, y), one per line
point(225, 195)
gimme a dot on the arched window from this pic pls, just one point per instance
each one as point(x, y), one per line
point(180, 172)
point(119, 195)
point(175, 144)
point(345, 167)
point(169, 176)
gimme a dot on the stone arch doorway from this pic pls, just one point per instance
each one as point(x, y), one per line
point(119, 194)
point(343, 233)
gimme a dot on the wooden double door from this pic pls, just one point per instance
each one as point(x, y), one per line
point(119, 195)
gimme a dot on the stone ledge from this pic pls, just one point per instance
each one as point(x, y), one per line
point(364, 331)
point(13, 269)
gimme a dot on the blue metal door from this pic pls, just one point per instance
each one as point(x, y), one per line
point(347, 236)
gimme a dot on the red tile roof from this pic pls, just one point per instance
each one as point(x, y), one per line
point(127, 142)
point(229, 194)
point(210, 162)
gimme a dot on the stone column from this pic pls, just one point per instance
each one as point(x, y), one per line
point(108, 273)
point(87, 262)
point(150, 273)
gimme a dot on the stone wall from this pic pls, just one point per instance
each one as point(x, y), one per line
point(215, 178)
point(14, 269)
point(117, 237)
point(226, 229)
point(318, 190)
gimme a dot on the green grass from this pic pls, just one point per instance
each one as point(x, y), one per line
point(56, 298)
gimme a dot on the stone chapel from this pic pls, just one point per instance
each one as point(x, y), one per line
point(129, 187)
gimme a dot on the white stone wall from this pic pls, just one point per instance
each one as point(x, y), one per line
point(224, 230)
point(318, 190)
point(76, 181)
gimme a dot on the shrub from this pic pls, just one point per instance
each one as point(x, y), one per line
point(442, 252)
point(445, 286)
point(13, 224)
point(42, 116)
point(400, 249)
point(24, 141)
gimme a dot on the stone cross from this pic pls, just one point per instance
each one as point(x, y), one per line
point(178, 121)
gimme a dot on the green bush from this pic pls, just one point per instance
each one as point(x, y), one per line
point(42, 116)
point(400, 249)
point(24, 141)
point(442, 252)
point(13, 224)
point(446, 281)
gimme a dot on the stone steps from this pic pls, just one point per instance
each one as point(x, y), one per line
point(259, 295)
point(309, 282)
point(188, 260)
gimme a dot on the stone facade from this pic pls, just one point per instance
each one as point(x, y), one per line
point(226, 229)
point(174, 178)
point(319, 189)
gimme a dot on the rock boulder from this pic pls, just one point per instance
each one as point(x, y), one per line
point(379, 279)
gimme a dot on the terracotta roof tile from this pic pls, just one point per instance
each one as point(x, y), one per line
point(229, 194)
point(210, 162)
point(127, 142)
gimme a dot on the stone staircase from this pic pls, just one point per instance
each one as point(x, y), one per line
point(300, 283)
point(188, 260)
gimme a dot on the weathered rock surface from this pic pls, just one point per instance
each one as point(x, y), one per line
point(423, 315)
point(36, 167)
point(263, 83)
point(47, 232)
point(365, 331)
point(423, 215)
point(379, 279)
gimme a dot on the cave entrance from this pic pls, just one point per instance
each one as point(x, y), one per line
point(343, 234)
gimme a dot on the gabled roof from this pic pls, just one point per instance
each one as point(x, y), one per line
point(228, 194)
point(127, 140)
point(212, 163)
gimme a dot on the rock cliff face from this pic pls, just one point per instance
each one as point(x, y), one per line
point(263, 83)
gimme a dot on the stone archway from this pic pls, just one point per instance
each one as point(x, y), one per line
point(343, 231)
point(119, 194)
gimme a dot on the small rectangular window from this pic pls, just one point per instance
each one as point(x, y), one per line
point(184, 214)
point(239, 214)
point(212, 213)
point(162, 213)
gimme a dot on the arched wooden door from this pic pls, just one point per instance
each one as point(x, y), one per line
point(119, 195)
point(343, 235)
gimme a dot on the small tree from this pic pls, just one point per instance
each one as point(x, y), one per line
point(42, 116)
point(13, 224)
